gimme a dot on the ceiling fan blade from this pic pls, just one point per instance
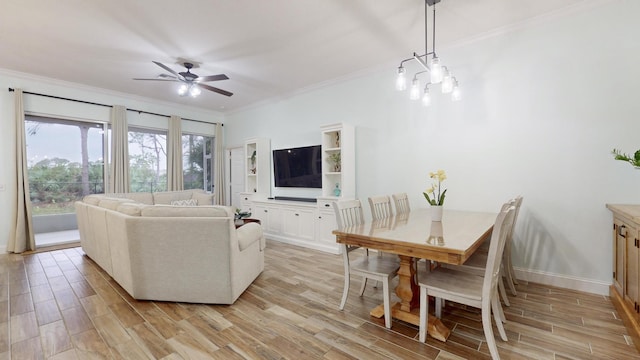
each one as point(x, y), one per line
point(213, 78)
point(166, 68)
point(215, 89)
point(157, 79)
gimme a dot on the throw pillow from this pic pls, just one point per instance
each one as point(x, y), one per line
point(190, 202)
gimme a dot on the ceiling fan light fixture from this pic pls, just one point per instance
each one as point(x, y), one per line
point(194, 91)
point(182, 90)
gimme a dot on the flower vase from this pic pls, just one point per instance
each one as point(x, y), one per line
point(436, 213)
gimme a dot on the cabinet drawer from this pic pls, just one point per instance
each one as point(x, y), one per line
point(325, 205)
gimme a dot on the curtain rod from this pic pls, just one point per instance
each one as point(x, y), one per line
point(105, 105)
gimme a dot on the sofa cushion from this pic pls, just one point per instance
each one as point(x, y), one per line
point(141, 197)
point(113, 203)
point(93, 199)
point(187, 211)
point(131, 208)
point(166, 197)
point(203, 198)
point(190, 202)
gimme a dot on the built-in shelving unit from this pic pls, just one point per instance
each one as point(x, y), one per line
point(257, 171)
point(338, 161)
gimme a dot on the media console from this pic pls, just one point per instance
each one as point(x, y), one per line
point(298, 222)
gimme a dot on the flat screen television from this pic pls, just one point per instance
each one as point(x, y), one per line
point(299, 167)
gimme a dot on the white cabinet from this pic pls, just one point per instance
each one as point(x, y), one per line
point(326, 223)
point(295, 223)
point(338, 161)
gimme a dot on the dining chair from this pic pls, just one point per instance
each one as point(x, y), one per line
point(380, 207)
point(468, 289)
point(401, 201)
point(507, 264)
point(379, 268)
point(477, 263)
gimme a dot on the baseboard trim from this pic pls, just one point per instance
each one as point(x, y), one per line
point(564, 281)
point(328, 247)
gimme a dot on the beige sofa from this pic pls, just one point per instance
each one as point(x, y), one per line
point(159, 251)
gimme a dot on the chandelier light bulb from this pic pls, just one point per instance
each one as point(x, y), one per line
point(436, 70)
point(456, 95)
point(401, 80)
point(194, 91)
point(182, 90)
point(447, 82)
point(415, 90)
point(426, 98)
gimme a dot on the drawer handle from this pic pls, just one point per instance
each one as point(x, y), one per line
point(620, 231)
point(326, 205)
point(297, 214)
point(246, 198)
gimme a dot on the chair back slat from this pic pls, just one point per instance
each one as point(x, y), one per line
point(401, 202)
point(348, 213)
point(380, 207)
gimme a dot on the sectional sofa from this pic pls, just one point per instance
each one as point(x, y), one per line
point(171, 246)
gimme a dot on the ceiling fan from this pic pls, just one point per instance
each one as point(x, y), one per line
point(191, 82)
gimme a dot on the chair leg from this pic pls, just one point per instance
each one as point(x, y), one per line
point(488, 332)
point(508, 273)
point(387, 303)
point(503, 293)
point(364, 284)
point(345, 292)
point(497, 310)
point(439, 307)
point(424, 311)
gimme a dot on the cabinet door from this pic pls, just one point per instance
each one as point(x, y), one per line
point(245, 202)
point(619, 255)
point(326, 224)
point(274, 220)
point(298, 223)
point(306, 224)
point(260, 212)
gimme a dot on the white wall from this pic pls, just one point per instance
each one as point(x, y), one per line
point(67, 109)
point(544, 105)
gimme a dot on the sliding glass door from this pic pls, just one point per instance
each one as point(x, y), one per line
point(65, 163)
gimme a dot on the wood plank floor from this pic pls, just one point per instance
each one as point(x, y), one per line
point(60, 305)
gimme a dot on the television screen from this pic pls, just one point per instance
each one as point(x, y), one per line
point(298, 167)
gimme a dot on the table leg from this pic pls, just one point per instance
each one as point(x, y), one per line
point(408, 309)
point(408, 284)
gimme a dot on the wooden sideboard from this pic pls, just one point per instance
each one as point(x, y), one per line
point(625, 290)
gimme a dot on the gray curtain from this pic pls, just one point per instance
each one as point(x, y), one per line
point(21, 237)
point(175, 179)
point(218, 168)
point(119, 170)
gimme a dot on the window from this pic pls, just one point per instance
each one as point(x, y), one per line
point(147, 160)
point(196, 162)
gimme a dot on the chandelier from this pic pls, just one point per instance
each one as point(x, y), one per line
point(430, 63)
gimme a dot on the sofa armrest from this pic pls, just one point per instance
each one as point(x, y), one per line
point(249, 233)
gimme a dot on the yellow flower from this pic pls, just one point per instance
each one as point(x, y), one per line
point(438, 198)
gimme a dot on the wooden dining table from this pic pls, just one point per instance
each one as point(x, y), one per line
point(414, 236)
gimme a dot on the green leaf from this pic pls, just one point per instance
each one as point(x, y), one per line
point(637, 156)
point(442, 197)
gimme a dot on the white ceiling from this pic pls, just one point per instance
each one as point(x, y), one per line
point(268, 48)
